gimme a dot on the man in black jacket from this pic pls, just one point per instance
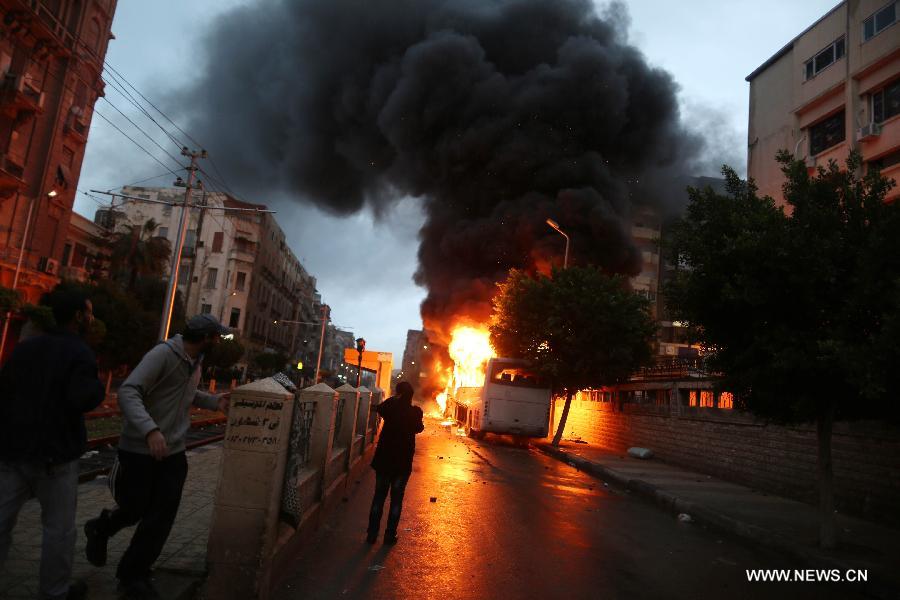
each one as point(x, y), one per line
point(393, 459)
point(46, 386)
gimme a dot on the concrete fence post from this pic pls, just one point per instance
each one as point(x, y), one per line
point(350, 397)
point(248, 498)
point(322, 430)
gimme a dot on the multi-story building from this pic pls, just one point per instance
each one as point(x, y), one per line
point(416, 344)
point(51, 59)
point(832, 89)
point(83, 255)
point(235, 265)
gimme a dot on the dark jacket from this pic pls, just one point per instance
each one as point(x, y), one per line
point(46, 386)
point(397, 443)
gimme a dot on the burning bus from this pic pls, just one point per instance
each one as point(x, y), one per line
point(513, 400)
point(486, 393)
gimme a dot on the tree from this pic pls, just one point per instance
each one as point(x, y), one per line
point(797, 308)
point(224, 355)
point(270, 362)
point(137, 252)
point(579, 328)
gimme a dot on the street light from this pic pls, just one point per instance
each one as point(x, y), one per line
point(555, 226)
point(360, 347)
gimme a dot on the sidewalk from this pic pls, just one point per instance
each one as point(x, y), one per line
point(785, 525)
point(181, 567)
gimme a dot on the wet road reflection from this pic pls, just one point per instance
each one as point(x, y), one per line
point(509, 522)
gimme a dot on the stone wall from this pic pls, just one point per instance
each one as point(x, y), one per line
point(734, 446)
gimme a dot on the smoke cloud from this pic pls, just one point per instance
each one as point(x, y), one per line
point(496, 114)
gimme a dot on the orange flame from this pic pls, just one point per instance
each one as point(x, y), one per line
point(470, 348)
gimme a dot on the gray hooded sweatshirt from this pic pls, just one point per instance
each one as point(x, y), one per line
point(159, 394)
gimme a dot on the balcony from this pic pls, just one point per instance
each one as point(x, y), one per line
point(20, 96)
point(12, 173)
point(241, 255)
point(76, 127)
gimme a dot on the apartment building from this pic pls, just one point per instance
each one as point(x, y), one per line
point(235, 264)
point(51, 58)
point(832, 89)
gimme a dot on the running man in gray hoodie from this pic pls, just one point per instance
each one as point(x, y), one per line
point(149, 474)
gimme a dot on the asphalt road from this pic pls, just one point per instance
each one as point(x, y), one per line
point(512, 523)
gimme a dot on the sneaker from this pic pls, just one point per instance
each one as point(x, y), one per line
point(138, 589)
point(390, 538)
point(95, 548)
point(77, 590)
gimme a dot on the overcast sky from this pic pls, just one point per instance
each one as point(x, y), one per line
point(364, 268)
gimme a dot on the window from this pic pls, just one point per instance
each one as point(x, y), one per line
point(726, 400)
point(67, 253)
point(167, 211)
point(218, 237)
point(235, 319)
point(240, 281)
point(211, 276)
point(881, 20)
point(886, 102)
point(515, 376)
point(163, 232)
point(184, 274)
point(825, 57)
point(827, 133)
point(707, 399)
point(205, 309)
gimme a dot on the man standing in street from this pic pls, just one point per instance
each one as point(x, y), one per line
point(393, 459)
point(46, 386)
point(151, 468)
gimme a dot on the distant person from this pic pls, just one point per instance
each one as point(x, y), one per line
point(46, 386)
point(393, 459)
point(151, 467)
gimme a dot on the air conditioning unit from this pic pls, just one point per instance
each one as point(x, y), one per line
point(867, 132)
point(48, 265)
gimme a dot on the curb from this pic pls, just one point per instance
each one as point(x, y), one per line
point(717, 520)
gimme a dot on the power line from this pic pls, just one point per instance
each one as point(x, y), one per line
point(136, 126)
point(116, 127)
point(120, 88)
point(121, 77)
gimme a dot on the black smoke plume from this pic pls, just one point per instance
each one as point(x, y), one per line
point(497, 114)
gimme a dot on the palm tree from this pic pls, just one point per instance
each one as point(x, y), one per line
point(139, 253)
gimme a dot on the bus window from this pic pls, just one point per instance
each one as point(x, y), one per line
point(516, 376)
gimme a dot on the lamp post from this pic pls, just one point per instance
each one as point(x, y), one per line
point(360, 347)
point(555, 226)
point(326, 311)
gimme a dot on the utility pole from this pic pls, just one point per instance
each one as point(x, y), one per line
point(182, 231)
point(325, 311)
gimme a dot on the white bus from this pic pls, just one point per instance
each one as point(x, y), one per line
point(513, 400)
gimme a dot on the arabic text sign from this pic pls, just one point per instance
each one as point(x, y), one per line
point(254, 424)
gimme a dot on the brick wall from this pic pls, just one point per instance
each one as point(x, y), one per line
point(734, 446)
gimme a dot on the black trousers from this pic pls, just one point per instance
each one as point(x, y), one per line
point(396, 484)
point(148, 492)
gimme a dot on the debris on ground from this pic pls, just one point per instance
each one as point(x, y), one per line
point(642, 453)
point(684, 518)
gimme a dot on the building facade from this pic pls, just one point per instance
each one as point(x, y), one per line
point(51, 60)
point(235, 265)
point(832, 89)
